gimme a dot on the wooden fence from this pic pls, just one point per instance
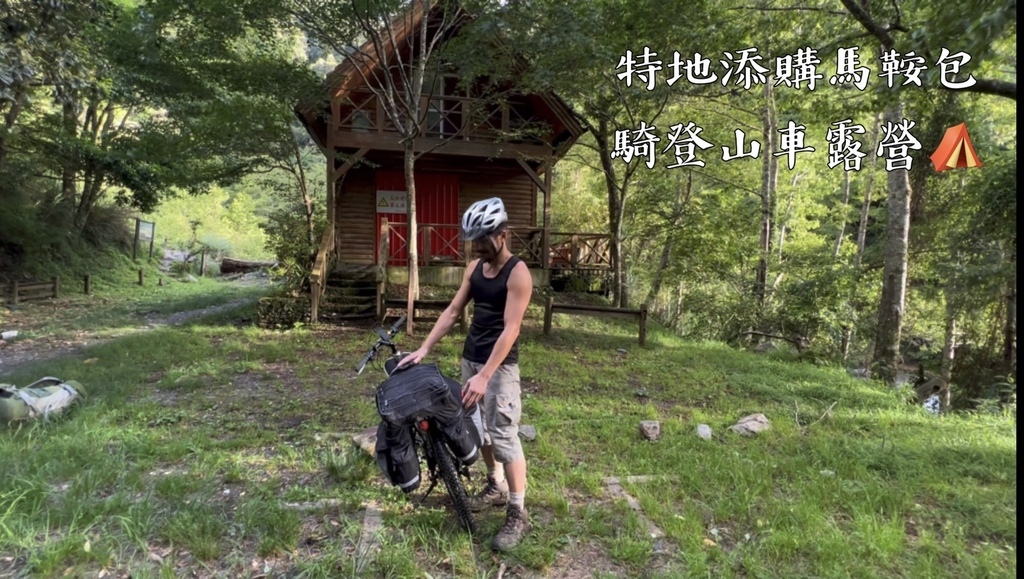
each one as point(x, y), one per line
point(429, 305)
point(20, 291)
point(550, 308)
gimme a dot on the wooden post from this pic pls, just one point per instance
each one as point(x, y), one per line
point(464, 319)
point(331, 161)
point(56, 286)
point(643, 326)
point(88, 284)
point(549, 304)
point(314, 301)
point(383, 254)
point(142, 278)
point(135, 245)
point(546, 249)
point(14, 292)
point(202, 263)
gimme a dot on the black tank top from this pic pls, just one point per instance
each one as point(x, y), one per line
point(489, 296)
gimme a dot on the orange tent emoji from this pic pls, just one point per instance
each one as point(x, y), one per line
point(955, 150)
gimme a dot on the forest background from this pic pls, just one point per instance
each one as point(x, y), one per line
point(181, 113)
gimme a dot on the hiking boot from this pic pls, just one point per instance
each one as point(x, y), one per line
point(517, 525)
point(495, 494)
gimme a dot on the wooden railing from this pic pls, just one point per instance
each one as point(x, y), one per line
point(441, 244)
point(22, 291)
point(458, 117)
point(321, 269)
point(580, 251)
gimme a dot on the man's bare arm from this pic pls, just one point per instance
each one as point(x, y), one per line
point(520, 288)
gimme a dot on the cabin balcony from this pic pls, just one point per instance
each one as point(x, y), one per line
point(453, 125)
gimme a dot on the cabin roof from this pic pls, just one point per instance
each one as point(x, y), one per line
point(345, 78)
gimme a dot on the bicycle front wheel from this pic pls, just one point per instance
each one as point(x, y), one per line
point(456, 490)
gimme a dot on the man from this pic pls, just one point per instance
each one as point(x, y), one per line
point(500, 286)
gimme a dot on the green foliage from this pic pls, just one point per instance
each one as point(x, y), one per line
point(218, 221)
point(131, 103)
point(287, 234)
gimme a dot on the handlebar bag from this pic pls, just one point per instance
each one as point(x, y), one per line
point(416, 391)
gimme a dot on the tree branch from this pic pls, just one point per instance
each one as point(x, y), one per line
point(879, 32)
point(790, 9)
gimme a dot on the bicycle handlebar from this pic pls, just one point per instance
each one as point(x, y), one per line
point(384, 339)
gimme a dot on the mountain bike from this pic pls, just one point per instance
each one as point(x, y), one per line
point(426, 429)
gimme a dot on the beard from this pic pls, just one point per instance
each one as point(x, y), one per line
point(490, 251)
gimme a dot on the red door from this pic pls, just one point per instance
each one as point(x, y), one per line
point(437, 207)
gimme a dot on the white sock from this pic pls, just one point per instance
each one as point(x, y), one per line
point(518, 499)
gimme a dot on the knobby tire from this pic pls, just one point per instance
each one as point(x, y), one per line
point(446, 465)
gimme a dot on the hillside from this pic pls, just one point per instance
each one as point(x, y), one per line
point(197, 441)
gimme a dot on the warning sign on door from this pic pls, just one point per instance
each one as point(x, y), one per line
point(391, 202)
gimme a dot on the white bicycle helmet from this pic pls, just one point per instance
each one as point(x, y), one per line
point(483, 218)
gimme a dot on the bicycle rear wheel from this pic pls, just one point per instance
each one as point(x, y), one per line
point(456, 490)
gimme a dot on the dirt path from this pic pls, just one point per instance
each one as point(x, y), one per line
point(21, 352)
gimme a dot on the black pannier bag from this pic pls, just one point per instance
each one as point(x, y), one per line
point(421, 391)
point(464, 434)
point(396, 456)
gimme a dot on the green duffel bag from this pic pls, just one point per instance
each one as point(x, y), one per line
point(43, 398)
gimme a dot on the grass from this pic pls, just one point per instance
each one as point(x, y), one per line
point(196, 440)
point(118, 305)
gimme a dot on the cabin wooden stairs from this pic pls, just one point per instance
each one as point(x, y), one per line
point(350, 294)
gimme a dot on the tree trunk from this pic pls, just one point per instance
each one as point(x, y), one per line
point(410, 204)
point(1010, 333)
point(948, 348)
point(769, 170)
point(90, 195)
point(10, 118)
point(68, 170)
point(842, 215)
point(678, 313)
point(862, 229)
point(781, 227)
point(894, 273)
point(659, 273)
point(682, 199)
point(307, 200)
point(615, 197)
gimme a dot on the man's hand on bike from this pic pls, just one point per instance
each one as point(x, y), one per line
point(474, 390)
point(413, 358)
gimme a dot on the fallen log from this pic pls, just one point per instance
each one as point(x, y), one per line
point(229, 265)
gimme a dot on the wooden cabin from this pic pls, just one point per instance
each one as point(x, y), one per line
point(473, 147)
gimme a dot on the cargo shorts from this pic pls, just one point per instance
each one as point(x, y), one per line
point(502, 409)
